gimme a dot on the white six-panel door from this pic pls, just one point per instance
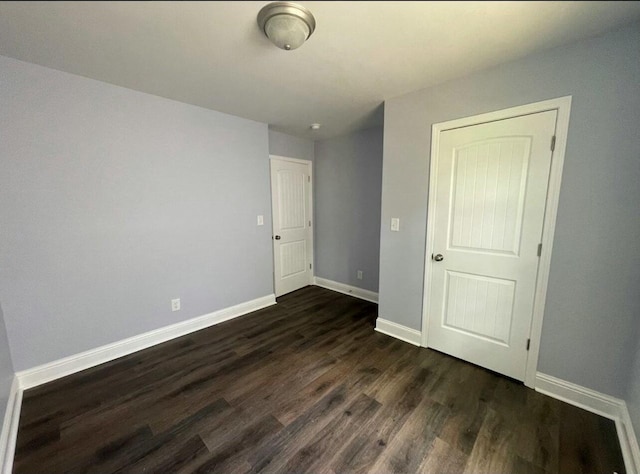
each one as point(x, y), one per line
point(491, 187)
point(292, 238)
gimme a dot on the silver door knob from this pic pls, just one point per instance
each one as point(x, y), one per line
point(438, 257)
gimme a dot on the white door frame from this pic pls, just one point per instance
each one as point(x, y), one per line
point(313, 223)
point(563, 107)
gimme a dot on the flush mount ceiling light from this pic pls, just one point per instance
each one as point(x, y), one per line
point(286, 24)
point(315, 126)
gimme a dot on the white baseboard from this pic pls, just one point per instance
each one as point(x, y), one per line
point(628, 442)
point(600, 404)
point(578, 396)
point(412, 336)
point(9, 433)
point(361, 293)
point(69, 365)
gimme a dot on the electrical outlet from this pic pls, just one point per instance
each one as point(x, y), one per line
point(260, 220)
point(359, 274)
point(175, 304)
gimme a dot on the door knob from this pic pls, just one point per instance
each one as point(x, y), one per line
point(277, 237)
point(438, 257)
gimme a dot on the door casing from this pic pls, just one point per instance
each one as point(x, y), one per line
point(563, 107)
point(309, 163)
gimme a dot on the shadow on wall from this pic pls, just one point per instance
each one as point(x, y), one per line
point(6, 365)
point(348, 194)
point(376, 117)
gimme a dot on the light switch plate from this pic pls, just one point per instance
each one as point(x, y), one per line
point(260, 220)
point(395, 224)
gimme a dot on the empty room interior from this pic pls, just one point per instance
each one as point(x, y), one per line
point(382, 237)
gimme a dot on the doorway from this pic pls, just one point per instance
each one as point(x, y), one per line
point(291, 202)
point(493, 196)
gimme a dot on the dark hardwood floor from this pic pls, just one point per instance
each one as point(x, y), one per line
point(303, 386)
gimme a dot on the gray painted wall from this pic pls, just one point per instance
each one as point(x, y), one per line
point(6, 368)
point(348, 179)
point(112, 203)
point(593, 296)
point(282, 144)
point(633, 391)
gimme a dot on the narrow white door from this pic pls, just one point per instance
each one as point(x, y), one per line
point(292, 239)
point(491, 187)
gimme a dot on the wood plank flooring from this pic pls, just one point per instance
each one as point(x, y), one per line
point(303, 386)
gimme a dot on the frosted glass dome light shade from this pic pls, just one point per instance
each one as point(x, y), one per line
point(286, 32)
point(286, 24)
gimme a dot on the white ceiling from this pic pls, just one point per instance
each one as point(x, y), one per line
point(212, 54)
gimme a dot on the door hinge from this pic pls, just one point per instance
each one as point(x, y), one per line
point(309, 177)
point(310, 267)
point(553, 143)
point(528, 343)
point(309, 223)
point(539, 250)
